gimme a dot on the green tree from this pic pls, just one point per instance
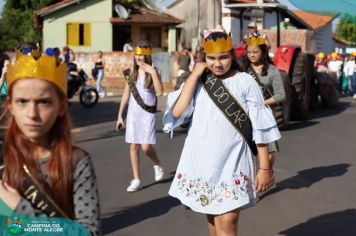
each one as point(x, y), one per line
point(346, 29)
point(17, 22)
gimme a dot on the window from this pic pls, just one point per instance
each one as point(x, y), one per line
point(78, 34)
point(152, 35)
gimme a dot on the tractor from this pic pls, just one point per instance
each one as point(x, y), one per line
point(303, 85)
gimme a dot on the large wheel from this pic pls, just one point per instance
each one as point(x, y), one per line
point(328, 88)
point(301, 85)
point(88, 97)
point(282, 112)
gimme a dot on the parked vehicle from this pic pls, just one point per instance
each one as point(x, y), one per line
point(303, 85)
point(88, 95)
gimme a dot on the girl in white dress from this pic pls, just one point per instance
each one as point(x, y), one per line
point(216, 173)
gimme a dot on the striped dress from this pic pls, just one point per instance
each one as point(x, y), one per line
point(215, 173)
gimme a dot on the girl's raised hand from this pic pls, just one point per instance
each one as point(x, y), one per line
point(147, 68)
point(9, 195)
point(199, 68)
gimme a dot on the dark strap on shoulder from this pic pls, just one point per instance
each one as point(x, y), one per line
point(36, 195)
point(136, 95)
point(265, 90)
point(230, 107)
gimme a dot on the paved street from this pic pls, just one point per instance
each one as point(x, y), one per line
point(314, 194)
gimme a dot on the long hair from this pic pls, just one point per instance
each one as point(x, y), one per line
point(18, 150)
point(265, 60)
point(148, 60)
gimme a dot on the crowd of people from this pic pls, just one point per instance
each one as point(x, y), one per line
point(343, 68)
point(229, 153)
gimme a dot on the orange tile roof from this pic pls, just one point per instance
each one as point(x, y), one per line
point(315, 21)
point(54, 6)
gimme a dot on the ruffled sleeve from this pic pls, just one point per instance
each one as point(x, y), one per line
point(264, 125)
point(169, 122)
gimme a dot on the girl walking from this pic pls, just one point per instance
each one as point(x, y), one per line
point(259, 65)
point(216, 175)
point(41, 172)
point(141, 91)
point(100, 65)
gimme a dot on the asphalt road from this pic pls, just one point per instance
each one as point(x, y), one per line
point(315, 193)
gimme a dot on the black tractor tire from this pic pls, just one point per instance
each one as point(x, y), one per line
point(88, 97)
point(328, 87)
point(314, 101)
point(314, 95)
point(301, 85)
point(282, 112)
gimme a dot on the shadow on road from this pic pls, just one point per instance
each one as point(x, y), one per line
point(104, 111)
point(321, 112)
point(329, 111)
point(138, 213)
point(106, 135)
point(306, 178)
point(164, 181)
point(332, 224)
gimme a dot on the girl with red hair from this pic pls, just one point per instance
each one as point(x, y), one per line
point(41, 173)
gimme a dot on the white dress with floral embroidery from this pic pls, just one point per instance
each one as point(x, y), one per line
point(216, 169)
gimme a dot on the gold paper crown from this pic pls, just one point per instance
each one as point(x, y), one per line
point(44, 68)
point(146, 51)
point(218, 45)
point(255, 40)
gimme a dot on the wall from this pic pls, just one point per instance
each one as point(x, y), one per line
point(117, 62)
point(55, 25)
point(188, 11)
point(304, 38)
point(324, 41)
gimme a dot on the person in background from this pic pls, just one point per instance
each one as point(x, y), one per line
point(252, 28)
point(335, 65)
point(184, 60)
point(141, 90)
point(320, 62)
point(4, 61)
point(258, 63)
point(128, 46)
point(68, 55)
point(100, 66)
point(349, 70)
point(57, 55)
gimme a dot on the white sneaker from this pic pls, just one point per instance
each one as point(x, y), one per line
point(354, 97)
point(158, 172)
point(134, 185)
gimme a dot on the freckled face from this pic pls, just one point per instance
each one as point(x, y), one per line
point(35, 106)
point(219, 63)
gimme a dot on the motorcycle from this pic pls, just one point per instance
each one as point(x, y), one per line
point(88, 95)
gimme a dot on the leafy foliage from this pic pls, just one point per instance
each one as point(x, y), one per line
point(346, 29)
point(17, 22)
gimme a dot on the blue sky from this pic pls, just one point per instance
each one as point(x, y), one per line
point(2, 3)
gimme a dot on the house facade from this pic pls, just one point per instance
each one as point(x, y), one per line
point(93, 25)
point(198, 15)
point(315, 28)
